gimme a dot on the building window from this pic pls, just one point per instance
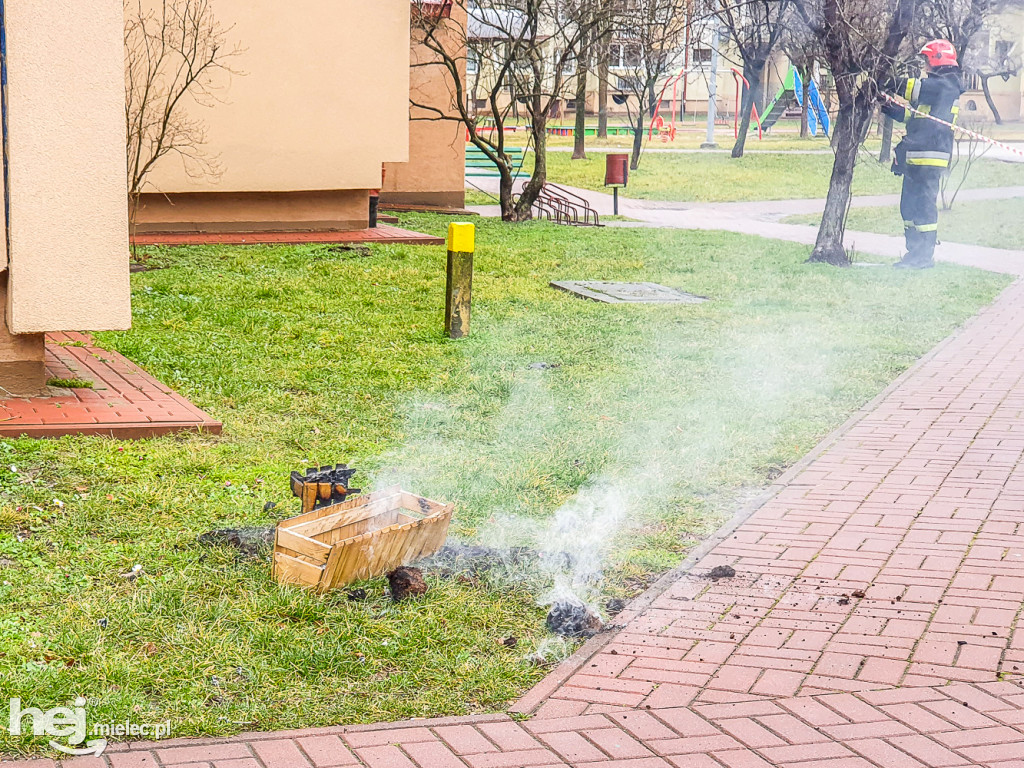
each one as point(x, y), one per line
point(701, 56)
point(624, 56)
point(472, 62)
point(1003, 50)
point(568, 62)
point(629, 84)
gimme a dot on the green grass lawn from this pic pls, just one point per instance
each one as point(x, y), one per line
point(670, 415)
point(719, 178)
point(994, 223)
point(476, 197)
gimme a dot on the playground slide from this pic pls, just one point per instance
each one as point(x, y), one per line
point(817, 115)
point(793, 88)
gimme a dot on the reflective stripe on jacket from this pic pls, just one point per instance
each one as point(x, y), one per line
point(929, 143)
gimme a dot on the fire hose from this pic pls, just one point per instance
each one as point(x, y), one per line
point(968, 132)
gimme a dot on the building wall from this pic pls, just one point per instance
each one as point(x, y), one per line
point(318, 210)
point(319, 103)
point(1008, 95)
point(436, 172)
point(973, 105)
point(68, 227)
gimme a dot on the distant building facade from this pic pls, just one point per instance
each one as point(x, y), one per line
point(435, 174)
point(999, 49)
point(320, 105)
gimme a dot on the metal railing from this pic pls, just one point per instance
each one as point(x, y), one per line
point(561, 206)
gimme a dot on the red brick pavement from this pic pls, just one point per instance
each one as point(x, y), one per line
point(125, 401)
point(874, 621)
point(379, 234)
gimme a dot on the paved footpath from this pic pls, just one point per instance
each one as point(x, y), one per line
point(764, 218)
point(874, 620)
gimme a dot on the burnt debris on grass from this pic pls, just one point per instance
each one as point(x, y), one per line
point(250, 542)
point(570, 618)
point(406, 582)
point(721, 572)
point(458, 559)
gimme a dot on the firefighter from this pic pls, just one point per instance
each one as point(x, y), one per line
point(925, 152)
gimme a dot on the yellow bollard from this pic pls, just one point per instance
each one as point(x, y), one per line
point(458, 297)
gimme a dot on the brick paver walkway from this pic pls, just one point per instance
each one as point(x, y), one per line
point(124, 402)
point(874, 621)
point(381, 234)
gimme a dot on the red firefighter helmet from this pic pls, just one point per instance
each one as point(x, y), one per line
point(940, 53)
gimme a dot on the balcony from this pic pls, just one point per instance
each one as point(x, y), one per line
point(432, 9)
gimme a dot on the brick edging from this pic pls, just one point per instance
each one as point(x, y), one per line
point(532, 699)
point(301, 733)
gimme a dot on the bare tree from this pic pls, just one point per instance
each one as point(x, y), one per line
point(959, 21)
point(756, 28)
point(1005, 68)
point(967, 149)
point(603, 50)
point(175, 53)
point(657, 30)
point(969, 25)
point(861, 41)
point(886, 126)
point(583, 60)
point(594, 50)
point(524, 52)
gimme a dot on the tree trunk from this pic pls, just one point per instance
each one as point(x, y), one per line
point(850, 127)
point(856, 108)
point(531, 191)
point(505, 199)
point(602, 90)
point(753, 74)
point(885, 155)
point(579, 147)
point(758, 88)
point(988, 98)
point(638, 140)
point(506, 173)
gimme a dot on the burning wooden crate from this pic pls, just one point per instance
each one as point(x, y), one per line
point(331, 546)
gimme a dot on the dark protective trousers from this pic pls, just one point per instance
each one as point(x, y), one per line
point(920, 210)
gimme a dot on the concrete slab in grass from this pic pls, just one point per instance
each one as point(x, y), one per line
point(624, 293)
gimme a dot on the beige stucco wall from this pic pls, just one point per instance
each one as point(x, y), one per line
point(1008, 95)
point(323, 210)
point(68, 260)
point(435, 174)
point(1008, 102)
point(322, 103)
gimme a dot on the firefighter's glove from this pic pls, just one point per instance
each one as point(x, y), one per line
point(895, 111)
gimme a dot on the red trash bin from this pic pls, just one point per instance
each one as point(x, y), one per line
point(616, 170)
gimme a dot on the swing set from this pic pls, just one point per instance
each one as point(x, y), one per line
point(669, 134)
